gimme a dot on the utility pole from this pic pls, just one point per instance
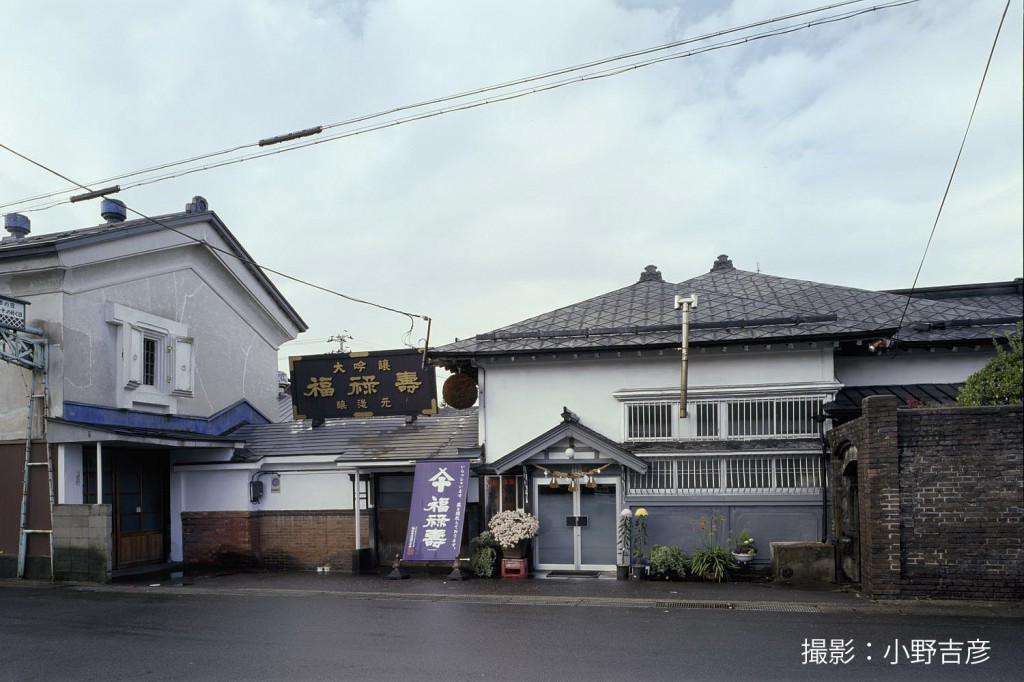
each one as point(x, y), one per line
point(341, 339)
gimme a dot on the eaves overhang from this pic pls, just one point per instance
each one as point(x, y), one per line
point(62, 431)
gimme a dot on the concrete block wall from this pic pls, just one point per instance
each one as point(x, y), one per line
point(941, 499)
point(82, 542)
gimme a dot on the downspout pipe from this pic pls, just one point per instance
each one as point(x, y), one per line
point(820, 419)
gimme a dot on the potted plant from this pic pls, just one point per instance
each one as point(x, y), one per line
point(625, 543)
point(667, 562)
point(484, 552)
point(712, 561)
point(512, 529)
point(744, 551)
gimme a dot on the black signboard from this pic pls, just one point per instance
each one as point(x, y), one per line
point(371, 384)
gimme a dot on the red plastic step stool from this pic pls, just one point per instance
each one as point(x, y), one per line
point(513, 568)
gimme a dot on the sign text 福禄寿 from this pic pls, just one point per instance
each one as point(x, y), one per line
point(373, 384)
point(437, 510)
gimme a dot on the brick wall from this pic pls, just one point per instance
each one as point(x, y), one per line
point(272, 539)
point(941, 499)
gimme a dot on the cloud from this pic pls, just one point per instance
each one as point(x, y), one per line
point(822, 154)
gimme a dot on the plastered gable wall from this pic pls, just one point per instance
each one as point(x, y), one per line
point(522, 399)
point(232, 361)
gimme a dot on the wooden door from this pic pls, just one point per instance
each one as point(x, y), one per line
point(140, 508)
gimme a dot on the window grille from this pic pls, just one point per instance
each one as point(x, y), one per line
point(651, 420)
point(782, 474)
point(149, 362)
point(747, 418)
point(717, 419)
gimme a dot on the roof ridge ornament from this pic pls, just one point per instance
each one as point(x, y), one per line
point(650, 274)
point(722, 263)
point(569, 417)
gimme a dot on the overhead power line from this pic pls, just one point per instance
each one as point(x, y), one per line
point(952, 173)
point(232, 254)
point(499, 97)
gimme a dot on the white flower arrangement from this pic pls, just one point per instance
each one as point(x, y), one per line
point(513, 527)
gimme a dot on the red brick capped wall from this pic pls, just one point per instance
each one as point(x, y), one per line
point(941, 499)
point(272, 539)
point(220, 538)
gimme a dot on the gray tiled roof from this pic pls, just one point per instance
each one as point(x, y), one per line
point(847, 404)
point(377, 439)
point(55, 242)
point(735, 306)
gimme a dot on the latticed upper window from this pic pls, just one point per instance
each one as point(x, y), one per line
point(723, 418)
point(651, 420)
point(741, 418)
point(782, 474)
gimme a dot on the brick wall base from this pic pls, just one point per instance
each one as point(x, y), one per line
point(272, 539)
point(941, 499)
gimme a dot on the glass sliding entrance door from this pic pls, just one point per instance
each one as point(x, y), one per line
point(577, 529)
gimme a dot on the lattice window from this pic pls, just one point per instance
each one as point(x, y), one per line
point(782, 474)
point(651, 420)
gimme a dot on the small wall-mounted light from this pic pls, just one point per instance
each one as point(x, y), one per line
point(570, 451)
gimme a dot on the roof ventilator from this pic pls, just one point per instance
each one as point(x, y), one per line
point(17, 225)
point(113, 210)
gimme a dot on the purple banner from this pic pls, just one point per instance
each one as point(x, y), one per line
point(437, 511)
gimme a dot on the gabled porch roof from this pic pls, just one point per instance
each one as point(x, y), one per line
point(571, 426)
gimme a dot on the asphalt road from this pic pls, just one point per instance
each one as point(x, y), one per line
point(67, 633)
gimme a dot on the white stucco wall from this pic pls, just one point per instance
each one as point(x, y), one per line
point(524, 398)
point(236, 324)
point(919, 367)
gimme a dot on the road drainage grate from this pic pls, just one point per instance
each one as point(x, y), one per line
point(693, 605)
point(788, 608)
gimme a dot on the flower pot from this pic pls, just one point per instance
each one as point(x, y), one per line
point(639, 571)
point(743, 558)
point(514, 552)
point(622, 572)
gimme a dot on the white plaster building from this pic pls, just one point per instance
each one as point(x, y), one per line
point(579, 407)
point(162, 337)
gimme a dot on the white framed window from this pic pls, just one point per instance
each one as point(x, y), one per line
point(155, 359)
point(651, 420)
point(733, 417)
point(748, 418)
point(729, 474)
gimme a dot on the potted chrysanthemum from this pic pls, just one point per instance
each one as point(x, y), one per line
point(512, 529)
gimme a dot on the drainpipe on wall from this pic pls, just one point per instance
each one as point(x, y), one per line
point(820, 418)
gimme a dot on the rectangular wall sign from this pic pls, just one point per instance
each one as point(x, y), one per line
point(437, 511)
point(374, 384)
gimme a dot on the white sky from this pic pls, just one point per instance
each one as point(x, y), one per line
point(822, 154)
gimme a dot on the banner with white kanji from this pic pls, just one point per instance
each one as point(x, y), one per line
point(437, 511)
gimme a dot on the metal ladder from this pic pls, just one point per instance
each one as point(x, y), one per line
point(24, 532)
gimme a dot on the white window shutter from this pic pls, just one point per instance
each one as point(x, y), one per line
point(134, 360)
point(183, 365)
